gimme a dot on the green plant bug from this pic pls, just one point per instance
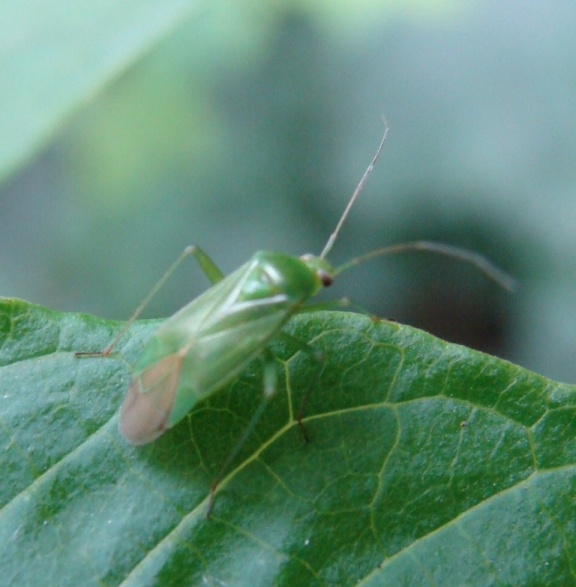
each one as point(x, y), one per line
point(207, 343)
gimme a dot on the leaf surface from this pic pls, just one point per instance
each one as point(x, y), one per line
point(428, 464)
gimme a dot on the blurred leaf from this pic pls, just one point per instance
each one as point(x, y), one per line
point(429, 464)
point(56, 55)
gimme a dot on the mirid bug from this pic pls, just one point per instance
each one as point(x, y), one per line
point(211, 340)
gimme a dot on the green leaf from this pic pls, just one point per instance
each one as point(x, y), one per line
point(56, 55)
point(428, 464)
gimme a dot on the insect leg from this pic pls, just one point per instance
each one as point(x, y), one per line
point(209, 268)
point(270, 380)
point(335, 305)
point(318, 357)
point(328, 305)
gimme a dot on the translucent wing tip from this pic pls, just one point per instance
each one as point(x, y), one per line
point(145, 412)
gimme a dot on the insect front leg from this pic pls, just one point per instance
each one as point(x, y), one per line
point(209, 268)
point(336, 305)
point(318, 357)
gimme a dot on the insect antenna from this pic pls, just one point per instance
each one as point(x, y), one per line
point(334, 235)
point(487, 267)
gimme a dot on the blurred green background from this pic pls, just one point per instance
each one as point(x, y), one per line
point(246, 125)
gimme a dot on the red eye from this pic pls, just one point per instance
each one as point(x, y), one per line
point(326, 278)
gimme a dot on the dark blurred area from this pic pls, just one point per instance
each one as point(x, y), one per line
point(252, 133)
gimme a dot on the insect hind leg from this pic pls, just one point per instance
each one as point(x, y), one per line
point(269, 389)
point(209, 268)
point(270, 386)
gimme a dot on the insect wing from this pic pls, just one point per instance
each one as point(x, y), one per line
point(222, 341)
point(219, 355)
point(196, 352)
point(146, 409)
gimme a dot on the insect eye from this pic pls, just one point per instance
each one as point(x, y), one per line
point(326, 278)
